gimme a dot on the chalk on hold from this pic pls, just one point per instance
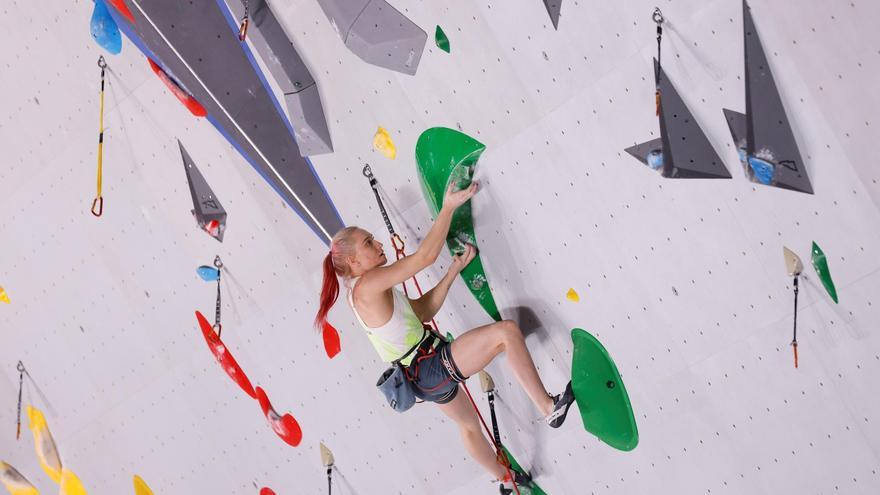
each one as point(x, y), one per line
point(441, 39)
point(286, 427)
point(486, 382)
point(14, 482)
point(4, 297)
point(383, 144)
point(572, 296)
point(820, 264)
point(140, 486)
point(327, 459)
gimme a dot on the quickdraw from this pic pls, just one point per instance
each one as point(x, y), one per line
point(794, 337)
point(98, 202)
point(242, 29)
point(21, 372)
point(657, 16)
point(401, 253)
point(217, 326)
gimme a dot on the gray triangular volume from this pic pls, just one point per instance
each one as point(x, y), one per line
point(768, 133)
point(640, 151)
point(736, 123)
point(553, 8)
point(206, 206)
point(377, 33)
point(687, 153)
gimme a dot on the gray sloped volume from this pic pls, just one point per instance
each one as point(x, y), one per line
point(553, 8)
point(377, 33)
point(768, 133)
point(290, 72)
point(686, 151)
point(206, 206)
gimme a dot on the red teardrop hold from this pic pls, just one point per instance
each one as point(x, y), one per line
point(285, 426)
point(187, 99)
point(224, 357)
point(331, 340)
point(266, 491)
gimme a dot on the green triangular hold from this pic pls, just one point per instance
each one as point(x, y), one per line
point(443, 156)
point(441, 40)
point(534, 489)
point(820, 264)
point(600, 393)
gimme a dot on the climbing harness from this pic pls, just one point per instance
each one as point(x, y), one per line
point(657, 16)
point(242, 30)
point(794, 337)
point(21, 372)
point(217, 326)
point(98, 203)
point(400, 253)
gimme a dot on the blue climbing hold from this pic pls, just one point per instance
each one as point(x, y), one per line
point(104, 29)
point(208, 273)
point(655, 159)
point(764, 170)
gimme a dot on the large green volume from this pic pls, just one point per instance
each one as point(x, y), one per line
point(447, 156)
point(600, 394)
point(820, 264)
point(533, 488)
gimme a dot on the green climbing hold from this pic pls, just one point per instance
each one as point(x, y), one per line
point(600, 393)
point(820, 264)
point(447, 156)
point(441, 40)
point(532, 489)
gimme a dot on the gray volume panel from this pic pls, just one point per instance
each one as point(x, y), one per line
point(768, 132)
point(200, 33)
point(553, 8)
point(206, 205)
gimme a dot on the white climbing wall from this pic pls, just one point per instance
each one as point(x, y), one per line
point(683, 281)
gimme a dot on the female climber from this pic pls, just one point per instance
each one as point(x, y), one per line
point(394, 325)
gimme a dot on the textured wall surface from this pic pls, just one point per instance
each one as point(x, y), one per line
point(683, 281)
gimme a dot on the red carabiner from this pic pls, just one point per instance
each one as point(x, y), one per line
point(99, 202)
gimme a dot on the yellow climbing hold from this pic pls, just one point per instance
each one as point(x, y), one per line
point(47, 453)
point(70, 484)
point(383, 144)
point(4, 297)
point(14, 482)
point(572, 296)
point(140, 487)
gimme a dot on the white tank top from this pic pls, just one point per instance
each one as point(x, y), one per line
point(401, 333)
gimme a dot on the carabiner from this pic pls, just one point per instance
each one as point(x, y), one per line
point(657, 16)
point(368, 172)
point(101, 63)
point(99, 203)
point(20, 367)
point(217, 263)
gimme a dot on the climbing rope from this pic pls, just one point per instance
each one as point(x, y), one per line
point(217, 326)
point(400, 253)
point(794, 338)
point(21, 372)
point(242, 30)
point(657, 16)
point(98, 203)
point(329, 480)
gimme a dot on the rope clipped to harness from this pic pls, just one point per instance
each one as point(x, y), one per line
point(98, 202)
point(657, 16)
point(242, 30)
point(400, 252)
point(21, 372)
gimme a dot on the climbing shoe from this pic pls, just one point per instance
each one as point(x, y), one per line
point(522, 480)
point(561, 403)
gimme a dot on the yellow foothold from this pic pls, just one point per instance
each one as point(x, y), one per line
point(70, 484)
point(140, 486)
point(383, 144)
point(14, 482)
point(44, 445)
point(4, 297)
point(572, 296)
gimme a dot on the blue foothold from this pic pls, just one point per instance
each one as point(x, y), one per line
point(764, 170)
point(104, 29)
point(655, 159)
point(208, 273)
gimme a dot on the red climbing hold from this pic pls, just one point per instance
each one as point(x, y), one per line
point(224, 357)
point(122, 8)
point(285, 426)
point(331, 340)
point(266, 491)
point(188, 101)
